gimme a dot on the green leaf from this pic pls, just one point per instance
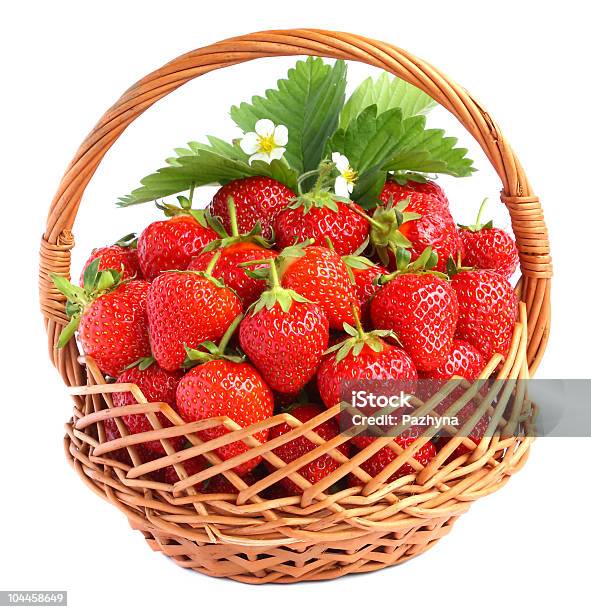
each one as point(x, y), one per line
point(218, 162)
point(386, 92)
point(377, 143)
point(308, 102)
point(91, 273)
point(68, 332)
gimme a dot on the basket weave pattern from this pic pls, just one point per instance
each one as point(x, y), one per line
point(320, 534)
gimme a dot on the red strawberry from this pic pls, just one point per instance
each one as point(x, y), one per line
point(411, 189)
point(321, 276)
point(284, 336)
point(319, 214)
point(340, 222)
point(121, 256)
point(363, 356)
point(170, 244)
point(110, 317)
point(364, 274)
point(224, 387)
point(156, 385)
point(258, 199)
point(477, 432)
point(318, 468)
point(414, 224)
point(463, 416)
point(384, 457)
point(488, 248)
point(187, 308)
point(463, 360)
point(220, 484)
point(487, 311)
point(193, 466)
point(421, 308)
point(145, 455)
point(234, 250)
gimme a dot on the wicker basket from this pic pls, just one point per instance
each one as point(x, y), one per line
point(320, 534)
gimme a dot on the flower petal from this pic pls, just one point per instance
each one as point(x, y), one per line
point(341, 187)
point(250, 143)
point(280, 136)
point(340, 161)
point(264, 157)
point(264, 127)
point(277, 153)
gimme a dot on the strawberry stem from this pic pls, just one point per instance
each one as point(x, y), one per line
point(480, 211)
point(229, 333)
point(212, 263)
point(233, 219)
point(357, 320)
point(274, 277)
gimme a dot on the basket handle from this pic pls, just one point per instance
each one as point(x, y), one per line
point(524, 207)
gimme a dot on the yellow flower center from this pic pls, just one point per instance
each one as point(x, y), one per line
point(350, 175)
point(266, 144)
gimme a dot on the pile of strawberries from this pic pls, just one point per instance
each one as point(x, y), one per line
point(267, 301)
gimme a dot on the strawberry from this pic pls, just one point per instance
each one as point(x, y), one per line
point(258, 199)
point(193, 466)
point(364, 275)
point(477, 432)
point(188, 308)
point(319, 214)
point(340, 222)
point(145, 454)
point(487, 311)
point(362, 356)
point(170, 244)
point(401, 187)
point(415, 224)
point(318, 468)
point(156, 385)
point(234, 250)
point(284, 335)
point(382, 458)
point(220, 484)
point(321, 276)
point(110, 317)
point(223, 385)
point(488, 248)
point(463, 360)
point(420, 307)
point(121, 256)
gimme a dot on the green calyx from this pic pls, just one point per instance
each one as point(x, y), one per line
point(424, 264)
point(321, 195)
point(275, 293)
point(385, 234)
point(185, 207)
point(142, 364)
point(212, 351)
point(359, 339)
point(402, 178)
point(127, 241)
point(478, 225)
point(96, 283)
point(355, 261)
point(453, 267)
point(225, 239)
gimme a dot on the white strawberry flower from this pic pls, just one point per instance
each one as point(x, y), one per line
point(266, 143)
point(345, 182)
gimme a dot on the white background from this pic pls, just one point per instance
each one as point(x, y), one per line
point(63, 64)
